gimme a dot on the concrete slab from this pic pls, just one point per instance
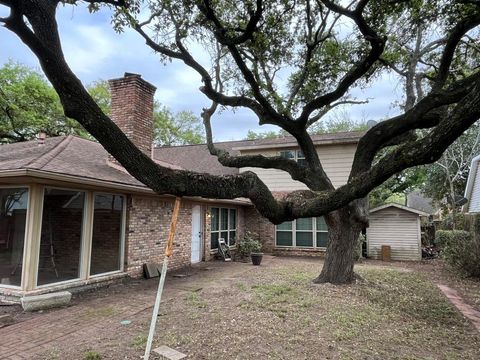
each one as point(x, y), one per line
point(46, 301)
point(152, 270)
point(169, 353)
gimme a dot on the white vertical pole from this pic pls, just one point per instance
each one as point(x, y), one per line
point(156, 309)
point(168, 253)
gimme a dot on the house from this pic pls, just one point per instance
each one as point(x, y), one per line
point(72, 217)
point(472, 190)
point(397, 226)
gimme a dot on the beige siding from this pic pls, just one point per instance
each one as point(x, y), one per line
point(474, 201)
point(395, 227)
point(336, 159)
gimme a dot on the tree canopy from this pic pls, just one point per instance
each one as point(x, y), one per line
point(289, 62)
point(29, 105)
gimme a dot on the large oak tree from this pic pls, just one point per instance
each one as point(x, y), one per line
point(325, 48)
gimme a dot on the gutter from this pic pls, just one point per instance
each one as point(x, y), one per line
point(42, 174)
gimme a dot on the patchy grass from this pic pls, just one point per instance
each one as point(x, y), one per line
point(139, 341)
point(92, 355)
point(194, 299)
point(275, 312)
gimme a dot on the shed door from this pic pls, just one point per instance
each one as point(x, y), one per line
point(196, 234)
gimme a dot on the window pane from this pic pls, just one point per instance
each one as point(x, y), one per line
point(214, 218)
point(233, 235)
point(300, 155)
point(321, 225)
point(224, 236)
point(305, 239)
point(322, 239)
point(284, 238)
point(107, 233)
point(288, 154)
point(13, 215)
point(302, 162)
point(223, 219)
point(285, 226)
point(61, 235)
point(214, 241)
point(233, 218)
point(304, 224)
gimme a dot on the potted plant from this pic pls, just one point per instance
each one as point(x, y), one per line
point(249, 246)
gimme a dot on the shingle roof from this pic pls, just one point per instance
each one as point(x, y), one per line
point(74, 156)
point(197, 157)
point(68, 155)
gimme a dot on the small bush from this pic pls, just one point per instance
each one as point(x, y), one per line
point(461, 251)
point(249, 244)
point(443, 236)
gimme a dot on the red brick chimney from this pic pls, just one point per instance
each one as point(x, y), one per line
point(132, 109)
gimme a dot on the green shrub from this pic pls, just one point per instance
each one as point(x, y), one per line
point(443, 236)
point(249, 244)
point(461, 251)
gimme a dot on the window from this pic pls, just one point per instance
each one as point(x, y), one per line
point(61, 236)
point(13, 216)
point(296, 155)
point(305, 232)
point(223, 225)
point(107, 234)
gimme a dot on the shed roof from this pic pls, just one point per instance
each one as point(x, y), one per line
point(401, 207)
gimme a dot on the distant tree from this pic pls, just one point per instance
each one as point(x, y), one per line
point(100, 92)
point(446, 179)
point(29, 105)
point(180, 128)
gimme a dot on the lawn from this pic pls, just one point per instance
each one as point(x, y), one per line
point(276, 312)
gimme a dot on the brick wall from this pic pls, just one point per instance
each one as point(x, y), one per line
point(256, 223)
point(148, 226)
point(132, 109)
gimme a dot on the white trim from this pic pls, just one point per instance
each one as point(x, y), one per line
point(124, 188)
point(82, 255)
point(27, 213)
point(122, 234)
point(295, 144)
point(471, 181)
point(294, 230)
point(398, 206)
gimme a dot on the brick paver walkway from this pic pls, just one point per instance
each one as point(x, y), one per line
point(468, 311)
point(94, 315)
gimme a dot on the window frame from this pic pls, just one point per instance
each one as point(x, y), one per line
point(229, 228)
point(294, 230)
point(122, 236)
point(297, 155)
point(27, 216)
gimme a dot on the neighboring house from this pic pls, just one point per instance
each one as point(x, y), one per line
point(71, 216)
point(396, 226)
point(416, 200)
point(472, 190)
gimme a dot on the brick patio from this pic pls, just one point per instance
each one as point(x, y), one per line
point(94, 316)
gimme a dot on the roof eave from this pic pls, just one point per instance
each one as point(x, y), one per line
point(295, 144)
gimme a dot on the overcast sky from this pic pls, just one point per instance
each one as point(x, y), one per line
point(94, 51)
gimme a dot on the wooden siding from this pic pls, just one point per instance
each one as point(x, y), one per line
point(474, 201)
point(336, 159)
point(395, 227)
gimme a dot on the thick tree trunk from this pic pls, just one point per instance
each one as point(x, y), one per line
point(344, 227)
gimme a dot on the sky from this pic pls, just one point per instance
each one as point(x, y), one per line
point(95, 51)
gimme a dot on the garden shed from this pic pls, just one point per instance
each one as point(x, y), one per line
point(396, 226)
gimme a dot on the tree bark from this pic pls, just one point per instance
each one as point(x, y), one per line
point(344, 227)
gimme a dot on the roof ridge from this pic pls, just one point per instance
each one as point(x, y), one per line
point(44, 159)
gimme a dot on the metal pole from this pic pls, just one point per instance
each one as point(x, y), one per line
point(156, 309)
point(168, 253)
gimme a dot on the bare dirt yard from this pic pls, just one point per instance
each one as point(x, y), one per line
point(238, 311)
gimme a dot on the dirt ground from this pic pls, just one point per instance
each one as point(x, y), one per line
point(238, 311)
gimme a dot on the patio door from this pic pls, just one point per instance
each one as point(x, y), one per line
point(196, 234)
